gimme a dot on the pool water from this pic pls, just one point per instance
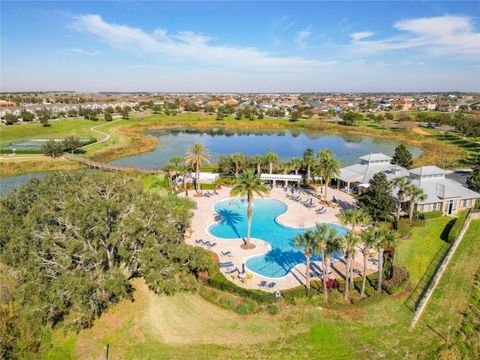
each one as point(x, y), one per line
point(283, 256)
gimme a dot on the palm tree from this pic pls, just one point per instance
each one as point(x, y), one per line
point(248, 184)
point(169, 170)
point(308, 242)
point(323, 236)
point(196, 155)
point(384, 238)
point(332, 246)
point(271, 158)
point(354, 218)
point(309, 163)
point(258, 160)
point(369, 240)
point(403, 184)
point(414, 194)
point(329, 168)
point(349, 246)
point(238, 159)
point(296, 164)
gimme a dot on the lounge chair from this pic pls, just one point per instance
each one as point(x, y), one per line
point(227, 253)
point(272, 285)
point(249, 275)
point(232, 271)
point(226, 264)
point(210, 245)
point(263, 283)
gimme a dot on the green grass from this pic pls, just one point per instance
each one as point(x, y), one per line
point(57, 129)
point(417, 252)
point(186, 326)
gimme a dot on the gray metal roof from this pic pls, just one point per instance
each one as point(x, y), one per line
point(375, 157)
point(428, 170)
point(362, 173)
point(439, 189)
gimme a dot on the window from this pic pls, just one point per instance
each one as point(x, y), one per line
point(435, 206)
point(464, 203)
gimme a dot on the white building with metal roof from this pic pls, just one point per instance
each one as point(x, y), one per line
point(443, 194)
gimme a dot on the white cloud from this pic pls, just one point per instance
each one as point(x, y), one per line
point(442, 35)
point(80, 52)
point(192, 47)
point(302, 36)
point(361, 35)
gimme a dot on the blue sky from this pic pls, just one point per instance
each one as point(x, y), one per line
point(240, 46)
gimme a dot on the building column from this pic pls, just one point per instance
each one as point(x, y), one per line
point(348, 187)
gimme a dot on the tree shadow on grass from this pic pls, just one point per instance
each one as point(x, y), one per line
point(446, 230)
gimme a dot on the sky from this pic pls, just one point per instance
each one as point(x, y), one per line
point(248, 46)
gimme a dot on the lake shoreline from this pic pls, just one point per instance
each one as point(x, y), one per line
point(135, 142)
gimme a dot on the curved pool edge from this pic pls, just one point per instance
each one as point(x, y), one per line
point(268, 245)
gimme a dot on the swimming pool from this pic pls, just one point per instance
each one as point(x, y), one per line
point(283, 256)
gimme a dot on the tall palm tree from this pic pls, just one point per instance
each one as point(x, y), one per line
point(238, 159)
point(296, 164)
point(329, 168)
point(196, 155)
point(169, 170)
point(349, 246)
point(354, 218)
point(323, 236)
point(384, 238)
point(331, 247)
point(308, 242)
point(309, 162)
point(414, 194)
point(369, 241)
point(271, 158)
point(258, 160)
point(248, 184)
point(403, 184)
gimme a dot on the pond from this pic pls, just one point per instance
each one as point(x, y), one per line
point(8, 183)
point(285, 143)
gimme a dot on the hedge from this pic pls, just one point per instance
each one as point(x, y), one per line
point(431, 215)
point(221, 283)
point(457, 226)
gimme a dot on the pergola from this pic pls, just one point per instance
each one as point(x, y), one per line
point(281, 177)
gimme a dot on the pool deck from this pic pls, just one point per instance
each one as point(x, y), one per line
point(297, 215)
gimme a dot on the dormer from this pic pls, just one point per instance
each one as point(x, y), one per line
point(375, 159)
point(427, 173)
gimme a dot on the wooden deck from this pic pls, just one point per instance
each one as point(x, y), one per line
point(109, 167)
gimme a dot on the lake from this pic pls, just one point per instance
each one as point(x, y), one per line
point(285, 143)
point(8, 183)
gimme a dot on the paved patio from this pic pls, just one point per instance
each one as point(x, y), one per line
point(297, 215)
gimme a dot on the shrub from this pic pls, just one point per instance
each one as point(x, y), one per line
point(430, 215)
point(457, 227)
point(273, 309)
point(404, 227)
point(397, 281)
point(419, 222)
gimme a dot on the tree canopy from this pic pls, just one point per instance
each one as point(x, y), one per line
point(73, 240)
point(402, 157)
point(377, 201)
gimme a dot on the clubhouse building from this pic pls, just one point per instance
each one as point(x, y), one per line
point(443, 194)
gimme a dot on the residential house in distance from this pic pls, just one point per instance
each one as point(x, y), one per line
point(443, 194)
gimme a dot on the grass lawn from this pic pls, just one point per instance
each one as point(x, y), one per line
point(417, 252)
point(57, 129)
point(186, 326)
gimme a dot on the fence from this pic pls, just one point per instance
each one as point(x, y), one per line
point(440, 269)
